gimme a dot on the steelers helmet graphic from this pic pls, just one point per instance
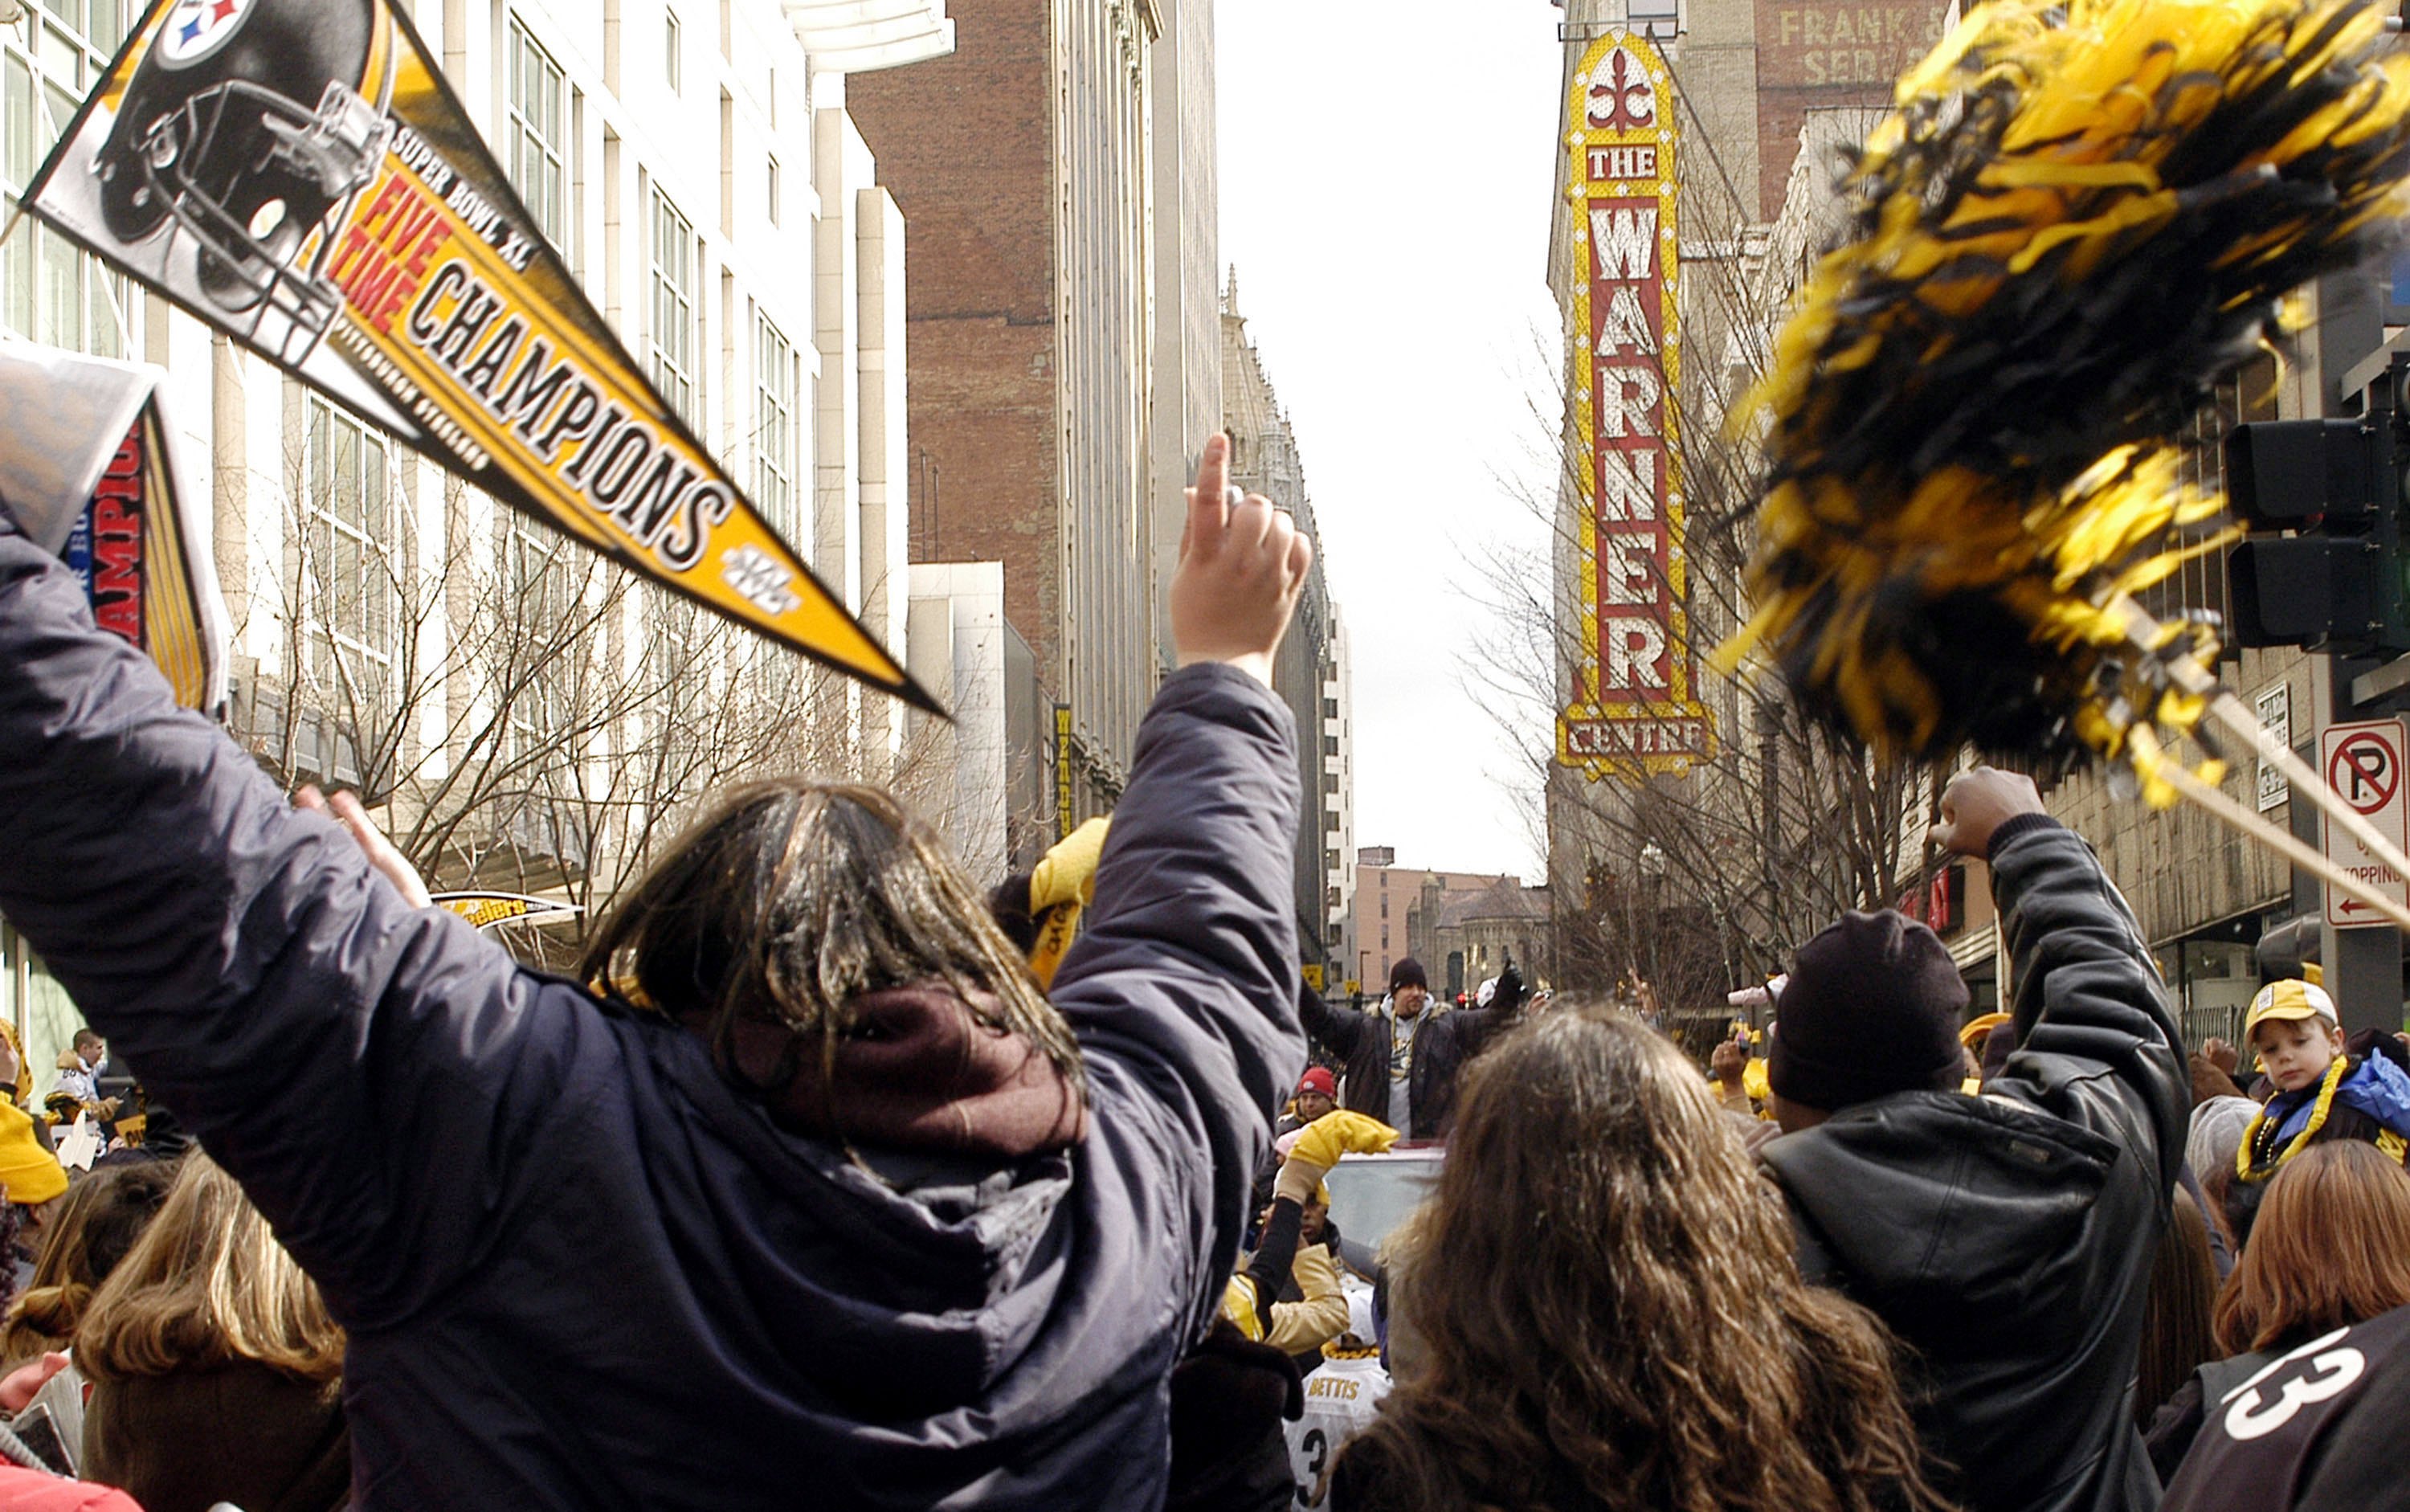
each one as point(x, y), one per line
point(245, 129)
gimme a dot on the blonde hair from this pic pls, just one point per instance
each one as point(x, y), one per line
point(206, 1285)
point(95, 1228)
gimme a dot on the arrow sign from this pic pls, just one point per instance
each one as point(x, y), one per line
point(2363, 764)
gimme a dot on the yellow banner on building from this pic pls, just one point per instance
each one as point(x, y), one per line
point(1634, 708)
point(298, 174)
point(487, 910)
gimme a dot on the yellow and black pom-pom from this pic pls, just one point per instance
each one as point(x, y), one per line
point(2076, 219)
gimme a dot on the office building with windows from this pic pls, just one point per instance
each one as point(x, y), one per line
point(1265, 459)
point(1057, 171)
point(526, 716)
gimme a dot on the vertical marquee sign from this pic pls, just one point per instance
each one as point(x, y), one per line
point(1634, 709)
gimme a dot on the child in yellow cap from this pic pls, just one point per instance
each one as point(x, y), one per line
point(2322, 1091)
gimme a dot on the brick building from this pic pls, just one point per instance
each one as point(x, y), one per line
point(1058, 372)
point(1386, 896)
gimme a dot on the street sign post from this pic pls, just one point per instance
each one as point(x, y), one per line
point(2364, 762)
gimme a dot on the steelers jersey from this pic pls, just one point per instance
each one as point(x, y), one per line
point(1339, 1399)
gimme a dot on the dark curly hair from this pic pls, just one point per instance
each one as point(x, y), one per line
point(1610, 1315)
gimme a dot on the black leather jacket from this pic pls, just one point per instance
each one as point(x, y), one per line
point(2007, 1239)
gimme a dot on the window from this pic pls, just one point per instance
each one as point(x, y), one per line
point(1331, 708)
point(535, 136)
point(773, 450)
point(1330, 745)
point(350, 592)
point(50, 291)
point(675, 296)
point(1331, 860)
point(672, 63)
point(1331, 822)
point(774, 190)
point(1385, 913)
point(545, 596)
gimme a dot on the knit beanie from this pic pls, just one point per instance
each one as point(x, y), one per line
point(1872, 1009)
point(1408, 972)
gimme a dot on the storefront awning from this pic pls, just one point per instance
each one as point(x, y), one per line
point(860, 37)
point(1973, 950)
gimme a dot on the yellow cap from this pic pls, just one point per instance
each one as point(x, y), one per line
point(1980, 1028)
point(2288, 1000)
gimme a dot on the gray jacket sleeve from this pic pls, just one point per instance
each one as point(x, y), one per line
point(2095, 1042)
point(1181, 986)
point(353, 1061)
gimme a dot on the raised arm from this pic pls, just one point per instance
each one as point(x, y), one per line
point(2091, 1011)
point(329, 1043)
point(1334, 1031)
point(1182, 984)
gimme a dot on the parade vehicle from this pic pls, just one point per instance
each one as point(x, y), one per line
point(1371, 1196)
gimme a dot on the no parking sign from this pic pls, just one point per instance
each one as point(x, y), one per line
point(2363, 764)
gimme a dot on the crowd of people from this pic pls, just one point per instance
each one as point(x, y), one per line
point(826, 1180)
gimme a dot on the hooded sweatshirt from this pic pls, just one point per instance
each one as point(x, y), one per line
point(579, 1269)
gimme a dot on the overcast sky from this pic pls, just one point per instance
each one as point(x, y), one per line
point(1385, 181)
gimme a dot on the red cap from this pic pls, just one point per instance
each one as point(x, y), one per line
point(1318, 1079)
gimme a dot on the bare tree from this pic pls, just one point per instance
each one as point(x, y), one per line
point(528, 716)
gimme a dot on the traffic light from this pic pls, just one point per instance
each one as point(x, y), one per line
point(2338, 579)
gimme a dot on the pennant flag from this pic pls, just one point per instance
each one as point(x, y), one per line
point(86, 472)
point(298, 174)
point(487, 910)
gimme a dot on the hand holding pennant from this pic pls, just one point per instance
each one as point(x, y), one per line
point(298, 175)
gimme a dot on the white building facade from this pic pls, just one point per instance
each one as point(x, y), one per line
point(695, 167)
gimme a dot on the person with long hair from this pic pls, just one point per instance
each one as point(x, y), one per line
point(215, 1366)
point(2308, 1412)
point(2177, 1334)
point(803, 1189)
point(97, 1223)
point(1609, 1313)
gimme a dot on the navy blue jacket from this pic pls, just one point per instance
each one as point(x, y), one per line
point(579, 1269)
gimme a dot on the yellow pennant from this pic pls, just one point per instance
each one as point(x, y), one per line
point(357, 233)
point(88, 473)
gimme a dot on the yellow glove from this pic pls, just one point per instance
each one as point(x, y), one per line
point(1068, 872)
point(1319, 1147)
point(1341, 1132)
point(1064, 883)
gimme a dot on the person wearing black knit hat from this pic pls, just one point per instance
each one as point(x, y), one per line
point(2034, 1207)
point(1391, 1074)
point(1872, 1008)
